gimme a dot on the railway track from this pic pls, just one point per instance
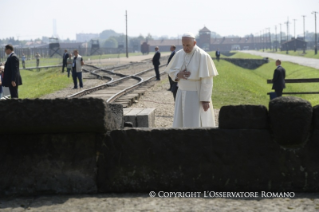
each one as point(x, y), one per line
point(123, 84)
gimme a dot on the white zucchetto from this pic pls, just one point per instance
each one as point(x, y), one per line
point(188, 35)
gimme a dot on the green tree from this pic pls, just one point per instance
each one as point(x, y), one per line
point(110, 43)
point(106, 34)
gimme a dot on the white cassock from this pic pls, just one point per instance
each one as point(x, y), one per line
point(198, 87)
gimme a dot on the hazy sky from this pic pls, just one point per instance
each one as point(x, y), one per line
point(34, 18)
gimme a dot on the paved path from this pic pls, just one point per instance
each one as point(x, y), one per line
point(311, 62)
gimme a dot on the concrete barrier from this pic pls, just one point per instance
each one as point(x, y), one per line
point(50, 146)
point(59, 116)
point(48, 161)
point(144, 160)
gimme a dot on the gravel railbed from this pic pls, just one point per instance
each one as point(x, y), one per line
point(160, 98)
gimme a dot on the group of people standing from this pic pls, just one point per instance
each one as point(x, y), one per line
point(156, 62)
point(74, 66)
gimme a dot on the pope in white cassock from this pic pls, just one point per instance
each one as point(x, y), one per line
point(194, 70)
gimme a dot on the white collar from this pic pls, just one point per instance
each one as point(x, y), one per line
point(10, 54)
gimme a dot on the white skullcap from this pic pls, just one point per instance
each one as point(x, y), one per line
point(188, 35)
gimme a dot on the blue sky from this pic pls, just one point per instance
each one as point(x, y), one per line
point(28, 19)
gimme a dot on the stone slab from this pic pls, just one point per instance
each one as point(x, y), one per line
point(36, 164)
point(243, 117)
point(290, 120)
point(144, 160)
point(59, 115)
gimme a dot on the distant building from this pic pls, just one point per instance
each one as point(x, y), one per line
point(206, 42)
point(86, 37)
point(294, 44)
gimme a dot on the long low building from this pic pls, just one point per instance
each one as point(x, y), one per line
point(208, 43)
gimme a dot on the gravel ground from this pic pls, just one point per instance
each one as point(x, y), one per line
point(142, 202)
point(63, 93)
point(160, 98)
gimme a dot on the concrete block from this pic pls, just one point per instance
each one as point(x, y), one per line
point(146, 118)
point(33, 116)
point(140, 117)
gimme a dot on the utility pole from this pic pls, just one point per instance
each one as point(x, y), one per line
point(295, 35)
point(315, 30)
point(280, 38)
point(263, 41)
point(269, 38)
point(304, 34)
point(276, 37)
point(287, 37)
point(126, 35)
point(295, 27)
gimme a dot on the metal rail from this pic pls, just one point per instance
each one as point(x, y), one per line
point(133, 87)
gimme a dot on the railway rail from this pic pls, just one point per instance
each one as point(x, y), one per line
point(119, 86)
point(122, 85)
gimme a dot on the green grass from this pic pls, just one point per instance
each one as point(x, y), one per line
point(39, 83)
point(236, 85)
point(58, 60)
point(309, 53)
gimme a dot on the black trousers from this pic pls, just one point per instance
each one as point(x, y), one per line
point(13, 91)
point(156, 67)
point(174, 90)
point(278, 92)
point(63, 66)
point(170, 82)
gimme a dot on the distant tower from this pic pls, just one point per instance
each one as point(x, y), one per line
point(55, 34)
point(204, 39)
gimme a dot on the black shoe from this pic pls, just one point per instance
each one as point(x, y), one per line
point(75, 88)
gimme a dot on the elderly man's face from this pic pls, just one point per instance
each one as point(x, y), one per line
point(188, 44)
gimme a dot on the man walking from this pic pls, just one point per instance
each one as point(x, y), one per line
point(65, 58)
point(217, 54)
point(77, 69)
point(279, 79)
point(12, 77)
point(156, 62)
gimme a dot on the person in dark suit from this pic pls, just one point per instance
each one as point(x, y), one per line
point(12, 77)
point(217, 54)
point(279, 79)
point(65, 58)
point(173, 84)
point(156, 62)
point(169, 60)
